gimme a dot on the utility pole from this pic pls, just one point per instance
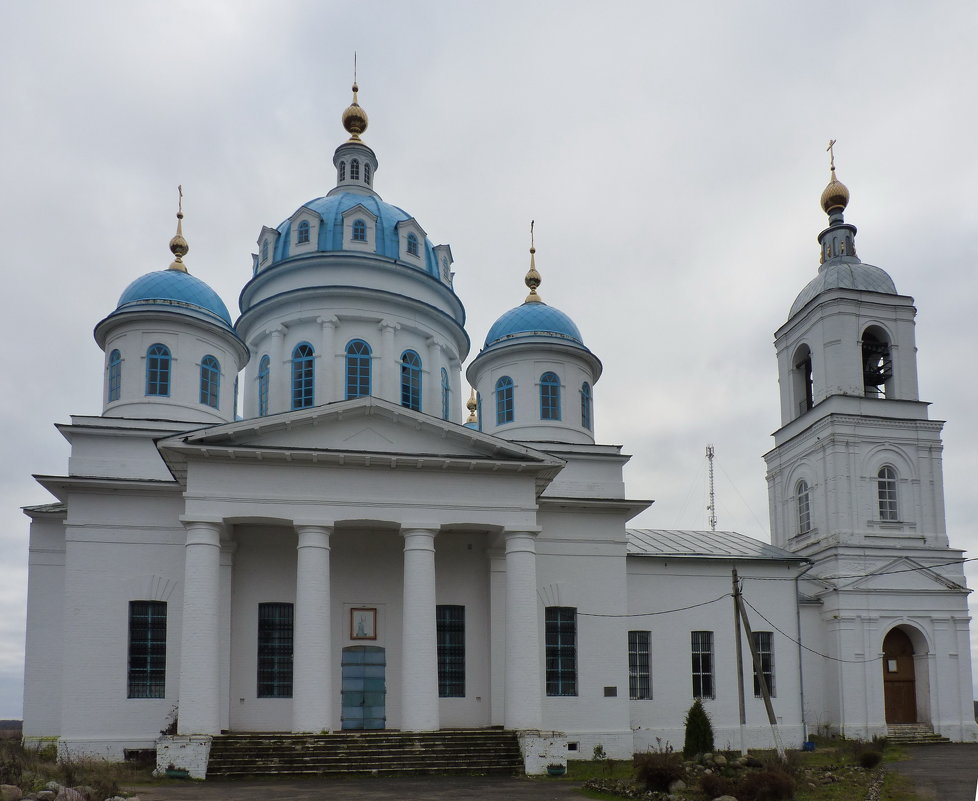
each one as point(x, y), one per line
point(711, 505)
point(740, 664)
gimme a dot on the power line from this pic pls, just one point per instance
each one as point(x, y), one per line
point(662, 612)
point(867, 575)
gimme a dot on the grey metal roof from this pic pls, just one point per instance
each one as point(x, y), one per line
point(47, 507)
point(702, 544)
point(846, 272)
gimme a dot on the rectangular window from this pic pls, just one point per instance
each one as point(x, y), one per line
point(451, 651)
point(561, 650)
point(639, 669)
point(702, 650)
point(275, 650)
point(147, 649)
point(764, 643)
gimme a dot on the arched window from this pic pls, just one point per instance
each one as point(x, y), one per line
point(877, 363)
point(549, 396)
point(355, 170)
point(803, 497)
point(342, 170)
point(804, 388)
point(446, 395)
point(357, 369)
point(302, 236)
point(264, 251)
point(210, 381)
point(412, 244)
point(115, 375)
point(366, 172)
point(264, 369)
point(359, 231)
point(158, 370)
point(505, 413)
point(886, 492)
point(586, 405)
point(302, 376)
point(411, 380)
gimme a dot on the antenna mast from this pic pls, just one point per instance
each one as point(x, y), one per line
point(711, 506)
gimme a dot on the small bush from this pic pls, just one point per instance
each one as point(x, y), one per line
point(714, 785)
point(699, 731)
point(766, 785)
point(869, 758)
point(657, 770)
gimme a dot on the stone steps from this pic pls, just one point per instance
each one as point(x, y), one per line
point(913, 734)
point(399, 753)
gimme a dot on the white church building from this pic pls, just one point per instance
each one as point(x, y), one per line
point(353, 552)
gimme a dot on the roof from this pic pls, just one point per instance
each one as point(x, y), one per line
point(43, 508)
point(174, 288)
point(702, 544)
point(534, 319)
point(845, 273)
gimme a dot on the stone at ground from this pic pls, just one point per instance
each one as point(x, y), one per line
point(719, 759)
point(53, 787)
point(46, 795)
point(677, 786)
point(10, 792)
point(88, 792)
point(69, 794)
point(725, 798)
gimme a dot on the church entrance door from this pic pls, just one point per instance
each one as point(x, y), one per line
point(899, 680)
point(364, 687)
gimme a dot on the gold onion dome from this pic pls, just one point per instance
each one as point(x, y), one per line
point(178, 245)
point(355, 118)
point(472, 404)
point(835, 196)
point(532, 279)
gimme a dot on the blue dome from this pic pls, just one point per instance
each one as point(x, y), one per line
point(845, 273)
point(534, 319)
point(174, 288)
point(331, 208)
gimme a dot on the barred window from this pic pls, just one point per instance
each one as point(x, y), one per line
point(764, 644)
point(702, 651)
point(275, 650)
point(639, 666)
point(451, 651)
point(147, 649)
point(561, 650)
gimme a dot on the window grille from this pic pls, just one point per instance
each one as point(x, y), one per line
point(147, 649)
point(886, 489)
point(505, 412)
point(357, 369)
point(702, 651)
point(302, 376)
point(764, 644)
point(210, 381)
point(549, 397)
point(411, 380)
point(639, 665)
point(158, 370)
point(451, 651)
point(275, 625)
point(115, 375)
point(561, 650)
point(264, 370)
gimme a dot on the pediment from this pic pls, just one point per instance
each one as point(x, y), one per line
point(901, 575)
point(366, 432)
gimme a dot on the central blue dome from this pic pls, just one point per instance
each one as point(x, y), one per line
point(534, 319)
point(174, 288)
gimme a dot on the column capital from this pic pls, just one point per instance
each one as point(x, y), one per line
point(387, 325)
point(332, 321)
point(203, 532)
point(313, 536)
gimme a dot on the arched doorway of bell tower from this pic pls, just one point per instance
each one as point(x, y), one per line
point(905, 679)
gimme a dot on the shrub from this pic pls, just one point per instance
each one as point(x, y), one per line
point(656, 770)
point(868, 758)
point(715, 785)
point(766, 785)
point(699, 731)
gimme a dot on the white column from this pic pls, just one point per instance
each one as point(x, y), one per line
point(431, 383)
point(419, 649)
point(312, 659)
point(279, 377)
point(523, 684)
point(385, 369)
point(200, 639)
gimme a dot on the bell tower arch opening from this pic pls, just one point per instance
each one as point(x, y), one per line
point(877, 363)
point(802, 384)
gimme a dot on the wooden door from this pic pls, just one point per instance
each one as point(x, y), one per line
point(899, 681)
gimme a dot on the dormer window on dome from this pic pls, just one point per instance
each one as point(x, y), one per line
point(359, 231)
point(412, 244)
point(302, 233)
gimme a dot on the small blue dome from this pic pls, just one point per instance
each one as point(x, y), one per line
point(845, 273)
point(534, 319)
point(174, 288)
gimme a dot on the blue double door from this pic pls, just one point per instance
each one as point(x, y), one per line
point(364, 687)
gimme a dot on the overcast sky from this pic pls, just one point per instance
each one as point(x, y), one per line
point(672, 155)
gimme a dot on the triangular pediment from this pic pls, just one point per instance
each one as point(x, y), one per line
point(902, 575)
point(365, 432)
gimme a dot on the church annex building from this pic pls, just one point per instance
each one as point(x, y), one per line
point(353, 552)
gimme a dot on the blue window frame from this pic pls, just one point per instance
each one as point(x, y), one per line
point(303, 358)
point(264, 370)
point(342, 170)
point(549, 396)
point(478, 410)
point(115, 375)
point(411, 380)
point(158, 370)
point(357, 369)
point(275, 634)
point(561, 650)
point(147, 649)
point(359, 231)
point(505, 412)
point(210, 381)
point(302, 233)
point(446, 395)
point(355, 170)
point(586, 405)
point(412, 244)
point(450, 626)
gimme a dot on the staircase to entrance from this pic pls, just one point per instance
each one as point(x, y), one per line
point(913, 734)
point(459, 751)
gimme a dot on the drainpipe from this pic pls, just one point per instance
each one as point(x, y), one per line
point(801, 668)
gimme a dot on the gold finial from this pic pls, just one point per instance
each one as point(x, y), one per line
point(532, 279)
point(355, 118)
point(472, 404)
point(178, 245)
point(835, 196)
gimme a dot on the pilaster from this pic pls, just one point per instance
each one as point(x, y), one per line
point(522, 705)
point(312, 658)
point(419, 650)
